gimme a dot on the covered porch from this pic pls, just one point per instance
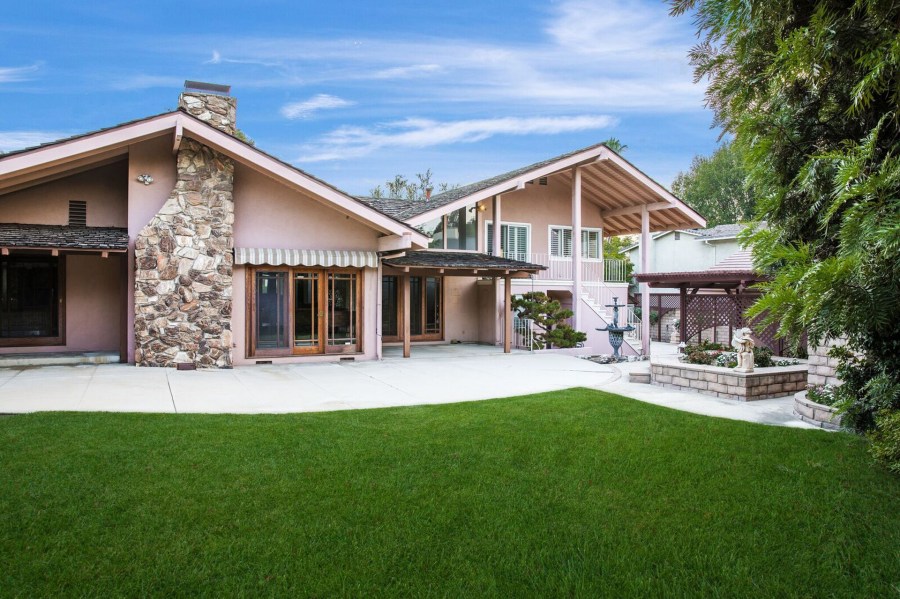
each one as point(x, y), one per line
point(426, 272)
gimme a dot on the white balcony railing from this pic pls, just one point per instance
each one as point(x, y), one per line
point(560, 269)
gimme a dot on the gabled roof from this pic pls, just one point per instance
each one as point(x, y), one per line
point(727, 231)
point(621, 191)
point(451, 195)
point(17, 168)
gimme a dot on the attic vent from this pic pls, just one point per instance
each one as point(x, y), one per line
point(542, 181)
point(77, 213)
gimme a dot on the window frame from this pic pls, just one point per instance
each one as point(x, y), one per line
point(597, 230)
point(322, 349)
point(527, 226)
point(59, 339)
point(439, 336)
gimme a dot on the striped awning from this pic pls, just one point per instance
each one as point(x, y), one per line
point(279, 257)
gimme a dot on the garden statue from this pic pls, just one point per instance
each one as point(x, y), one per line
point(615, 331)
point(743, 344)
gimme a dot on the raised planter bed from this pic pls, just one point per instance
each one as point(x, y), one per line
point(815, 413)
point(762, 383)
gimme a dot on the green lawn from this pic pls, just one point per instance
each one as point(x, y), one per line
point(571, 493)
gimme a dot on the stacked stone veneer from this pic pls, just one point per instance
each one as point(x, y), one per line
point(821, 367)
point(184, 260)
point(763, 383)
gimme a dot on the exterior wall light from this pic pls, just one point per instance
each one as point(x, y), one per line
point(145, 179)
point(481, 207)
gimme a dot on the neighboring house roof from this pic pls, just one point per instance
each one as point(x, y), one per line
point(466, 260)
point(620, 189)
point(727, 231)
point(113, 239)
point(741, 261)
point(19, 167)
point(734, 271)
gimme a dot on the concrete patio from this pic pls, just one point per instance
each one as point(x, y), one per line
point(440, 374)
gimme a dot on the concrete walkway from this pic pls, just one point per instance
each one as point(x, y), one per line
point(474, 373)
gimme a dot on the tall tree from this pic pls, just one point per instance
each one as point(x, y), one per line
point(811, 92)
point(716, 186)
point(402, 188)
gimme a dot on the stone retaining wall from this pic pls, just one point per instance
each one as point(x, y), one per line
point(821, 367)
point(763, 383)
point(815, 413)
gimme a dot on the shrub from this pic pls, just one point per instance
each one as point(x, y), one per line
point(700, 357)
point(704, 346)
point(886, 439)
point(762, 356)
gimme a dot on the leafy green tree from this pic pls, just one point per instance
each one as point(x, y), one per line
point(811, 92)
point(550, 317)
point(402, 188)
point(716, 186)
point(614, 144)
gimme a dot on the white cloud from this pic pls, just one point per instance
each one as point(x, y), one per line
point(306, 108)
point(353, 142)
point(13, 74)
point(406, 72)
point(18, 140)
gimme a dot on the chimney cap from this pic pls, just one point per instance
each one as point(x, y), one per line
point(208, 88)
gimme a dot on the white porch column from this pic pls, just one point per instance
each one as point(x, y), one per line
point(645, 289)
point(576, 246)
point(602, 256)
point(495, 249)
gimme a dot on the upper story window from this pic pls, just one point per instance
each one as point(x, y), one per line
point(514, 240)
point(454, 231)
point(561, 243)
point(677, 235)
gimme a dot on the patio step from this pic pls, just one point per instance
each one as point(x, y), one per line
point(639, 377)
point(58, 359)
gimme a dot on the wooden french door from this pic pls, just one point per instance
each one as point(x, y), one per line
point(298, 311)
point(426, 314)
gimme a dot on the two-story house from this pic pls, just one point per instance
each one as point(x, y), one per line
point(168, 241)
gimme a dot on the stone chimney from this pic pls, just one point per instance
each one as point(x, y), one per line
point(218, 109)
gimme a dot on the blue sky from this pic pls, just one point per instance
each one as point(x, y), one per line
point(355, 92)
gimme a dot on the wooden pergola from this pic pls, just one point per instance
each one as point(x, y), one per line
point(458, 264)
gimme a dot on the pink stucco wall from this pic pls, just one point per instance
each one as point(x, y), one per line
point(155, 158)
point(102, 188)
point(541, 206)
point(268, 214)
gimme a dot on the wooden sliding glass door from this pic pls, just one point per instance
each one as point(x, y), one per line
point(426, 313)
point(298, 311)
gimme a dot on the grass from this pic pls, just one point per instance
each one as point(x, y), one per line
point(571, 493)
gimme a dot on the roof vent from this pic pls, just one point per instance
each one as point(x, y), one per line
point(77, 213)
point(542, 181)
point(207, 88)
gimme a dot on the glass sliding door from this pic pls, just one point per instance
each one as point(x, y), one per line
point(30, 294)
point(342, 308)
point(306, 312)
point(432, 306)
point(426, 311)
point(298, 311)
point(272, 311)
point(390, 308)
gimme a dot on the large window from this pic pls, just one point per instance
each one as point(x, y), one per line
point(425, 312)
point(561, 243)
point(455, 231)
point(30, 297)
point(304, 311)
point(514, 240)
